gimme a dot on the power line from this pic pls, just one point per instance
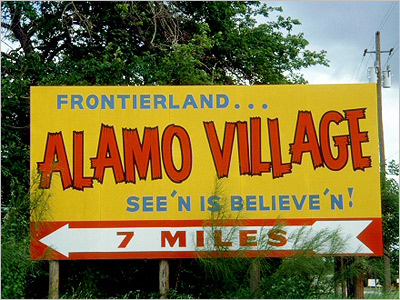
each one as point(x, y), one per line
point(396, 48)
point(383, 22)
point(386, 17)
point(355, 79)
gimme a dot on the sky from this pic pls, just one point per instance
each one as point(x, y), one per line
point(344, 29)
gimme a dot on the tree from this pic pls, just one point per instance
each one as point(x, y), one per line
point(390, 221)
point(129, 43)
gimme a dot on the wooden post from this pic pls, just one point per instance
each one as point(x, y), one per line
point(255, 277)
point(164, 279)
point(54, 279)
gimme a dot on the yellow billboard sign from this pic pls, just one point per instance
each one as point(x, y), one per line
point(182, 153)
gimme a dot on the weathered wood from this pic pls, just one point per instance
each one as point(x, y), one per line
point(164, 279)
point(54, 279)
point(255, 277)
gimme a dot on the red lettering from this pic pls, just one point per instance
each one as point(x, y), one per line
point(221, 156)
point(278, 169)
point(341, 142)
point(200, 238)
point(357, 137)
point(141, 154)
point(257, 165)
point(128, 236)
point(186, 153)
point(277, 237)
point(245, 239)
point(55, 160)
point(243, 144)
point(305, 130)
point(80, 182)
point(167, 236)
point(218, 240)
point(107, 156)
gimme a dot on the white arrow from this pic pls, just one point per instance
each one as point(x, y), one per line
point(68, 240)
point(328, 237)
point(347, 231)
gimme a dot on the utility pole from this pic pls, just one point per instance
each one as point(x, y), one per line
point(379, 96)
point(378, 52)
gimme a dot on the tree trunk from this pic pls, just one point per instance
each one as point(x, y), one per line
point(340, 283)
point(359, 286)
point(386, 262)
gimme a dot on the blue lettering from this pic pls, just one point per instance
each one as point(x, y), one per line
point(213, 203)
point(123, 100)
point(284, 202)
point(147, 203)
point(76, 100)
point(222, 104)
point(190, 101)
point(135, 205)
point(202, 203)
point(90, 105)
point(134, 102)
point(300, 205)
point(250, 204)
point(109, 101)
point(337, 202)
point(273, 203)
point(314, 202)
point(262, 207)
point(145, 101)
point(160, 100)
point(236, 203)
point(182, 203)
point(208, 102)
point(60, 100)
point(171, 102)
point(161, 203)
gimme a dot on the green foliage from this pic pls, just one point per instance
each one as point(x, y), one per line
point(379, 294)
point(17, 270)
point(15, 267)
point(390, 205)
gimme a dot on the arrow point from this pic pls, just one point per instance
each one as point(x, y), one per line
point(56, 239)
point(371, 237)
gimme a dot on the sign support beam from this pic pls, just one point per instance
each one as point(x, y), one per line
point(164, 278)
point(54, 279)
point(255, 277)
